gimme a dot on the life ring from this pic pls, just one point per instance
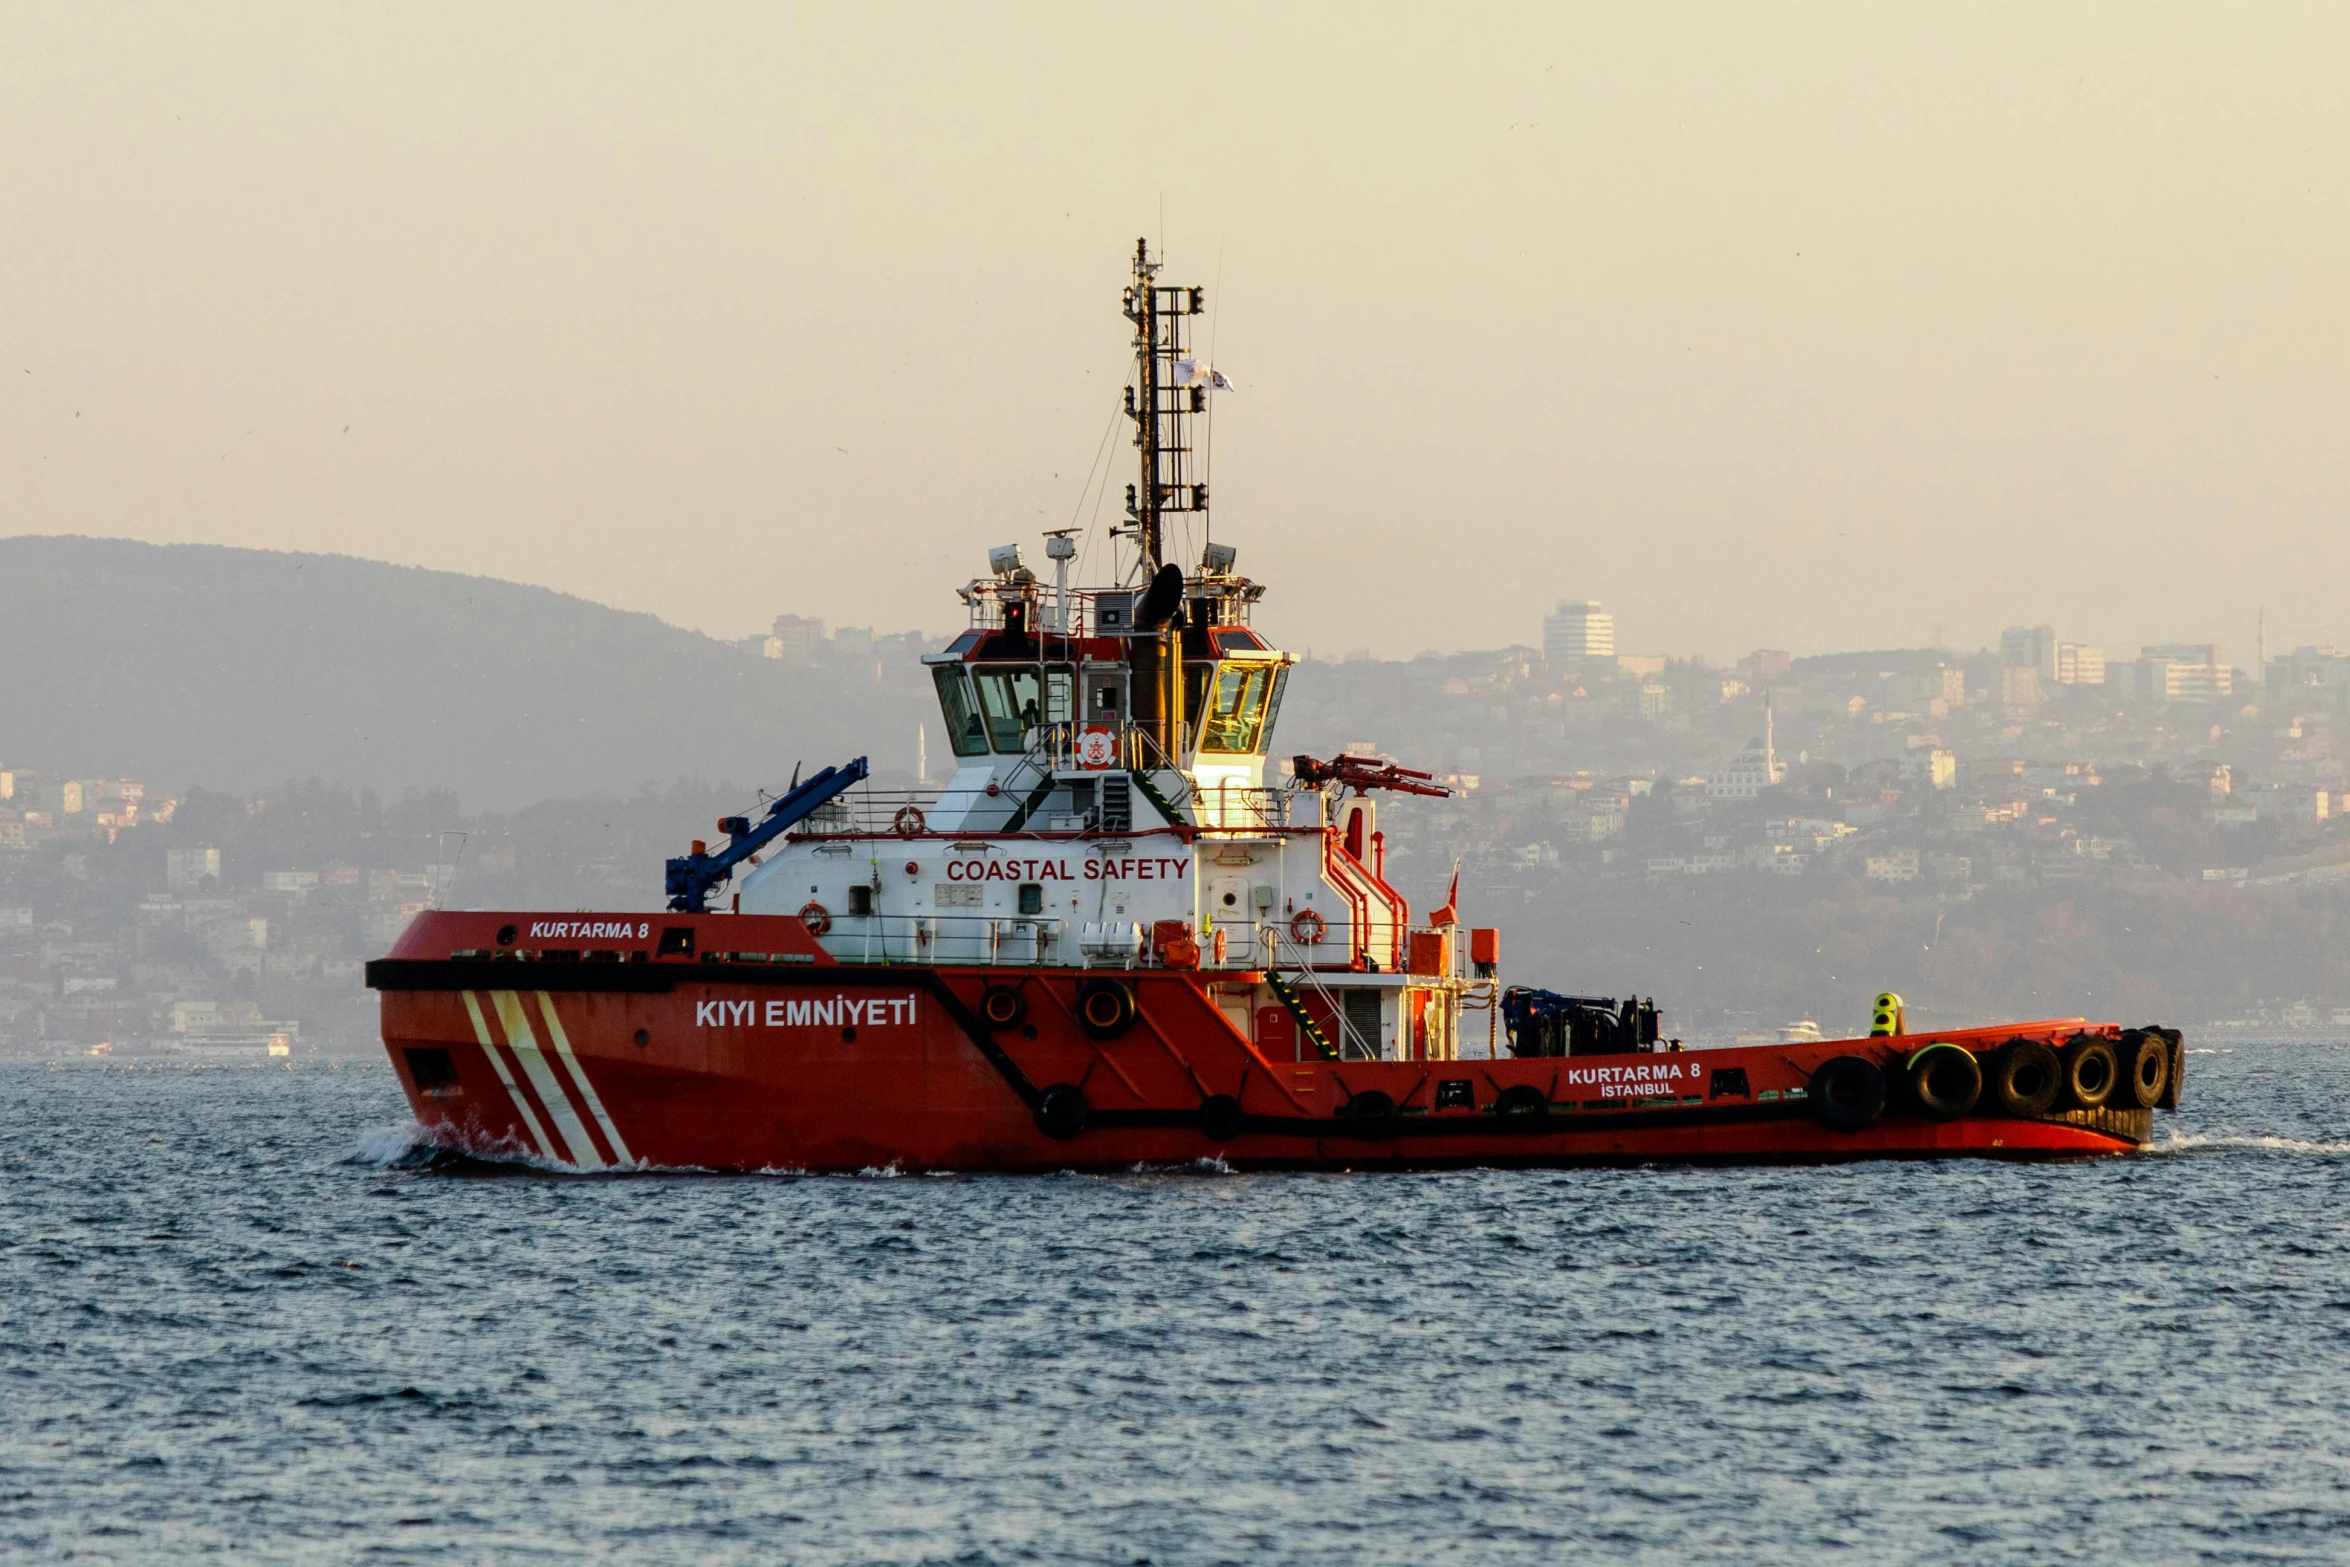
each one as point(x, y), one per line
point(1308, 928)
point(2089, 1070)
point(909, 822)
point(816, 917)
point(1946, 1080)
point(1848, 1093)
point(2025, 1079)
point(1105, 1007)
point(1096, 748)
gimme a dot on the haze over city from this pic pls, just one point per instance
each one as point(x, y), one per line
point(1818, 329)
point(662, 900)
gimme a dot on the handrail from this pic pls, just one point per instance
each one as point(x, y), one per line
point(1271, 933)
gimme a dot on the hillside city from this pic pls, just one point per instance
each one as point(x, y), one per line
point(2040, 762)
point(1984, 829)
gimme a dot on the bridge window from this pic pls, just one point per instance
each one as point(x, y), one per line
point(962, 717)
point(1012, 700)
point(1237, 710)
point(1016, 699)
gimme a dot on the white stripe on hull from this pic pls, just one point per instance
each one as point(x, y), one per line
point(542, 1077)
point(530, 1122)
point(587, 1090)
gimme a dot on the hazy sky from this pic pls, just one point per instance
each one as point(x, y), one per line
point(1804, 327)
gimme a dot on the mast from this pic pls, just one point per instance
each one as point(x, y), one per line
point(1161, 400)
point(1168, 388)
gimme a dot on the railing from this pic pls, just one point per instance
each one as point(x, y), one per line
point(1240, 808)
point(867, 811)
point(982, 940)
point(1222, 808)
point(1271, 941)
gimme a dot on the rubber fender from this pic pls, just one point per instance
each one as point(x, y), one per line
point(1522, 1102)
point(1946, 1080)
point(1219, 1117)
point(1105, 1006)
point(1061, 1111)
point(1003, 1006)
point(1848, 1093)
point(2142, 1071)
point(2025, 1079)
point(2089, 1069)
point(2178, 1066)
point(1370, 1114)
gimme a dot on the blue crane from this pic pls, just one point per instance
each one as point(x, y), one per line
point(692, 876)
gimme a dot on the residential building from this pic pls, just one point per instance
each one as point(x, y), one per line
point(2077, 665)
point(1578, 631)
point(2183, 672)
point(187, 869)
point(2304, 669)
point(2029, 647)
point(798, 639)
point(1935, 768)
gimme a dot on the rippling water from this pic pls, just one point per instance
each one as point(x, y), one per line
point(239, 1311)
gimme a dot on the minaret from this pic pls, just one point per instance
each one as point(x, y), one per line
point(1770, 751)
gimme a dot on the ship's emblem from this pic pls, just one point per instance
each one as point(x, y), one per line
point(1096, 748)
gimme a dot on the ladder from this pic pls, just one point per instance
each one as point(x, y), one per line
point(1305, 1020)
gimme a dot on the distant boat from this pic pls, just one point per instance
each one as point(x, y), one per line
point(1803, 1031)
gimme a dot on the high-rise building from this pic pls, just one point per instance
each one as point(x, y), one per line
point(2079, 666)
point(2184, 672)
point(1578, 632)
point(2325, 668)
point(2029, 647)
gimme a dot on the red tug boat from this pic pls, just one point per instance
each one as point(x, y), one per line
point(1112, 940)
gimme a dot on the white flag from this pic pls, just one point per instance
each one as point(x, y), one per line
point(1190, 372)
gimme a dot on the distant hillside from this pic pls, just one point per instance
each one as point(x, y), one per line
point(236, 669)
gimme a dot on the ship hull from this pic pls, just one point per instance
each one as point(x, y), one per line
point(786, 1060)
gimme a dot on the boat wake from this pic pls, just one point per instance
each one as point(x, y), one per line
point(403, 1147)
point(2193, 1143)
point(413, 1146)
point(1210, 1164)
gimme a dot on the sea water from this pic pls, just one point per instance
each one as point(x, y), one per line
point(243, 1313)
